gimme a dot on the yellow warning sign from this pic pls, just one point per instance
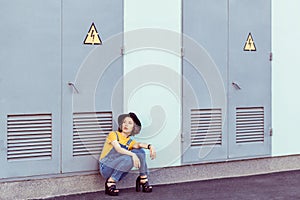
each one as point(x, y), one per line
point(250, 45)
point(92, 37)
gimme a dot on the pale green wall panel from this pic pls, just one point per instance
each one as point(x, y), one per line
point(286, 69)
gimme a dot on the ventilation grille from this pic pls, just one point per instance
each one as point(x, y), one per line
point(89, 132)
point(249, 125)
point(29, 136)
point(206, 127)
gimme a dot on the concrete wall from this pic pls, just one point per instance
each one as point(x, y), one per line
point(286, 69)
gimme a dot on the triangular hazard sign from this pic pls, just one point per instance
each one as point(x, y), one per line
point(250, 45)
point(93, 36)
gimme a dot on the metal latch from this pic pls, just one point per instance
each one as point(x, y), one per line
point(73, 86)
point(236, 85)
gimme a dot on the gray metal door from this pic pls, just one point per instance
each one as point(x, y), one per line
point(205, 35)
point(92, 72)
point(249, 78)
point(30, 72)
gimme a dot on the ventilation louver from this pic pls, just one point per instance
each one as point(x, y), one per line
point(249, 124)
point(29, 136)
point(89, 132)
point(206, 127)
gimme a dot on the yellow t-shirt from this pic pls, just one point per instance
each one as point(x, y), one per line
point(112, 137)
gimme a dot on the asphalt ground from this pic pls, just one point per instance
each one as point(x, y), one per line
point(282, 185)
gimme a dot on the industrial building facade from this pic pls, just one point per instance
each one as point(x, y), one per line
point(69, 68)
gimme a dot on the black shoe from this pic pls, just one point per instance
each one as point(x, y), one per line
point(145, 185)
point(111, 190)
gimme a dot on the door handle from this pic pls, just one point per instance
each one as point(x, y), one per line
point(236, 85)
point(73, 86)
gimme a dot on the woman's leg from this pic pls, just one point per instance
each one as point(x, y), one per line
point(142, 157)
point(105, 171)
point(142, 180)
point(117, 168)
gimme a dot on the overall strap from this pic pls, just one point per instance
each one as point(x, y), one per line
point(128, 142)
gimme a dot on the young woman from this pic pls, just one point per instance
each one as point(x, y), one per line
point(120, 154)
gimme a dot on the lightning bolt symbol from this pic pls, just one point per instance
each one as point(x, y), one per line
point(249, 42)
point(93, 35)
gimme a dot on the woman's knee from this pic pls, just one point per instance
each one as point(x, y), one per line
point(127, 161)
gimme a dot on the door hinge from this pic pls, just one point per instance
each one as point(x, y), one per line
point(271, 56)
point(182, 52)
point(122, 50)
point(271, 131)
point(182, 137)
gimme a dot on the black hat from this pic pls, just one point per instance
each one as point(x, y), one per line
point(135, 119)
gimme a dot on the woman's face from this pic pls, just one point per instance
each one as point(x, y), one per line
point(127, 125)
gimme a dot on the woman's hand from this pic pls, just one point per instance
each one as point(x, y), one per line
point(146, 146)
point(136, 161)
point(152, 152)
